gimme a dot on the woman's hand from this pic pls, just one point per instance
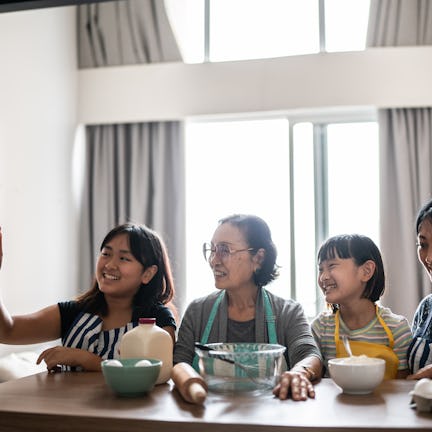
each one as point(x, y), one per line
point(64, 356)
point(424, 372)
point(294, 384)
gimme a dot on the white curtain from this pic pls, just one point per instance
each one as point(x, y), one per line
point(405, 158)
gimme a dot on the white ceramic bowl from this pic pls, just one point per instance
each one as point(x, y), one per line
point(251, 368)
point(357, 375)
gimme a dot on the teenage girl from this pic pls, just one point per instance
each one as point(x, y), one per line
point(133, 279)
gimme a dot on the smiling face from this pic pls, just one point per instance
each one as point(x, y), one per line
point(118, 273)
point(235, 270)
point(424, 245)
point(342, 280)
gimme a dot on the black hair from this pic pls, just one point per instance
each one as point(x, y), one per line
point(424, 213)
point(361, 249)
point(257, 235)
point(147, 248)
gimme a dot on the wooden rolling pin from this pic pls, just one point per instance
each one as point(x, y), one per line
point(189, 383)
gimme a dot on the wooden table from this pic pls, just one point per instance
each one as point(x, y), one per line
point(81, 401)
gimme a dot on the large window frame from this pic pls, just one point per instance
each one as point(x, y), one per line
point(320, 119)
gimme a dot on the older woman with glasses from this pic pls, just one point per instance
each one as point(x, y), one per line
point(242, 257)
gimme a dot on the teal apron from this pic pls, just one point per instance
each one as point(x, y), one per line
point(269, 317)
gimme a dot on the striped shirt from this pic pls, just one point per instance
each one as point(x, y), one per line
point(420, 351)
point(84, 330)
point(87, 334)
point(323, 329)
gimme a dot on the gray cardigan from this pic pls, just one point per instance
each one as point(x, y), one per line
point(292, 328)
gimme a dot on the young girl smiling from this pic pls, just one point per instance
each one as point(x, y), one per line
point(351, 277)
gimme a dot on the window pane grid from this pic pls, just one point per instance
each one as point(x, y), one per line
point(244, 167)
point(230, 30)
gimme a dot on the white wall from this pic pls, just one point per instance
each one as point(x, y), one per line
point(377, 77)
point(38, 90)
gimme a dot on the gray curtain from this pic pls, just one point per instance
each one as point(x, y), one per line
point(134, 172)
point(123, 33)
point(399, 23)
point(406, 184)
point(405, 158)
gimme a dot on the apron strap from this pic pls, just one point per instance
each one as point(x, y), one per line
point(385, 327)
point(208, 326)
point(381, 321)
point(211, 318)
point(269, 317)
point(336, 333)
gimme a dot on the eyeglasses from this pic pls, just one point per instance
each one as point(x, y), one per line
point(221, 250)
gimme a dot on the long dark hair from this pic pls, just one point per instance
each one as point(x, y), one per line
point(147, 248)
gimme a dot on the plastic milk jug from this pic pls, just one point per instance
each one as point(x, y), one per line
point(149, 340)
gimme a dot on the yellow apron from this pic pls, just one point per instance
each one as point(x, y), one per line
point(371, 349)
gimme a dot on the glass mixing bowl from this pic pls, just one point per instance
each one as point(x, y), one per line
point(240, 367)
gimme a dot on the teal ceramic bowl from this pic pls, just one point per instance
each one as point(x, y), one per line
point(129, 380)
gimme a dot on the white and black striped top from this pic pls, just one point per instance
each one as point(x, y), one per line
point(420, 350)
point(87, 334)
point(83, 330)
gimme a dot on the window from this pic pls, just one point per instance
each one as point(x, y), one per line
point(346, 24)
point(235, 167)
point(306, 179)
point(308, 175)
point(227, 30)
point(248, 29)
